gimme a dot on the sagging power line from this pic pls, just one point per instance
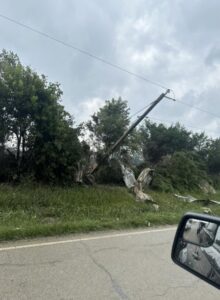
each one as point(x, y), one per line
point(140, 110)
point(198, 108)
point(186, 126)
point(171, 122)
point(113, 65)
point(85, 52)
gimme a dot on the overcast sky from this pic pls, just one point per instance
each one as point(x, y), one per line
point(175, 43)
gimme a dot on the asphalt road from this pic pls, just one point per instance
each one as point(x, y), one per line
point(110, 265)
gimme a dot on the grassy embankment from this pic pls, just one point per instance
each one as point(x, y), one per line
point(42, 211)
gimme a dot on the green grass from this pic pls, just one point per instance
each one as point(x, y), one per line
point(30, 211)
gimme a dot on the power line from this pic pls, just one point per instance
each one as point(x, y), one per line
point(166, 121)
point(192, 106)
point(198, 108)
point(184, 103)
point(83, 52)
point(140, 110)
point(105, 62)
point(187, 126)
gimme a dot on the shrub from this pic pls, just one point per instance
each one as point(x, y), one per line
point(182, 171)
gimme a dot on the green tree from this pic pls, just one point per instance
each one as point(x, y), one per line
point(214, 157)
point(106, 127)
point(56, 147)
point(181, 171)
point(158, 140)
point(17, 92)
point(109, 123)
point(35, 128)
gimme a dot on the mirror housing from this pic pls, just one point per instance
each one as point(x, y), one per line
point(196, 246)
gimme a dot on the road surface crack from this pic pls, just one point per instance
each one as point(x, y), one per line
point(116, 287)
point(186, 286)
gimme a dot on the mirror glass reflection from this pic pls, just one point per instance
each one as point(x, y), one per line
point(199, 249)
point(200, 232)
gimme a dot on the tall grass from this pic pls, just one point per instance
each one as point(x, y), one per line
point(29, 211)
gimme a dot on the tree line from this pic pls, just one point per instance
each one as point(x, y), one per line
point(39, 140)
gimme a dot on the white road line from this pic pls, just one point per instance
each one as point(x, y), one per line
point(109, 236)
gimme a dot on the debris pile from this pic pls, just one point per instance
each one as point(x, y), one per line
point(137, 185)
point(206, 187)
point(192, 199)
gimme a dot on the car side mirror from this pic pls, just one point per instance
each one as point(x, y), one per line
point(196, 246)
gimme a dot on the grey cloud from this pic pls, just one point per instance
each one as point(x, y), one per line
point(213, 57)
point(174, 42)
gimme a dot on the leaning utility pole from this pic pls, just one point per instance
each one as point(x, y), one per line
point(126, 133)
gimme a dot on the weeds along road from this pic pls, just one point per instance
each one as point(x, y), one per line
point(112, 265)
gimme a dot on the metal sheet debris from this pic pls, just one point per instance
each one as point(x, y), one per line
point(128, 177)
point(192, 199)
point(136, 186)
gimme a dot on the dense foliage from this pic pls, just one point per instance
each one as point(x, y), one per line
point(181, 159)
point(38, 139)
point(109, 123)
point(36, 134)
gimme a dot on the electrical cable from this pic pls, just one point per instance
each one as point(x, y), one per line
point(174, 122)
point(84, 52)
point(198, 108)
point(105, 62)
point(140, 110)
